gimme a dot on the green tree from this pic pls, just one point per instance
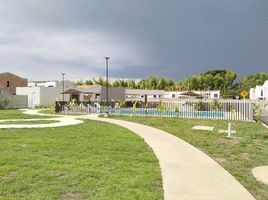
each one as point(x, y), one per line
point(252, 80)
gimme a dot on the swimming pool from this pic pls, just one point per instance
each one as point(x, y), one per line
point(165, 113)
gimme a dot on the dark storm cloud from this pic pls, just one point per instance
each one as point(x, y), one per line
point(167, 38)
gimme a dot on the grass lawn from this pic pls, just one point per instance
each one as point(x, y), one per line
point(93, 160)
point(17, 114)
point(248, 148)
point(49, 111)
point(30, 122)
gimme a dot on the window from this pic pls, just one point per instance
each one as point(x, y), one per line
point(173, 96)
point(155, 96)
point(261, 93)
point(215, 96)
point(8, 84)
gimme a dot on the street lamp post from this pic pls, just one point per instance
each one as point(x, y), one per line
point(63, 74)
point(107, 58)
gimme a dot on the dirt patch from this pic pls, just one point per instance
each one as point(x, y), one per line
point(220, 160)
point(229, 141)
point(245, 156)
point(55, 174)
point(70, 195)
point(10, 175)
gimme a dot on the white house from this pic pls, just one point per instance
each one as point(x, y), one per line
point(45, 94)
point(183, 94)
point(42, 83)
point(260, 92)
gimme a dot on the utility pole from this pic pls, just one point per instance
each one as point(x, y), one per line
point(107, 58)
point(63, 74)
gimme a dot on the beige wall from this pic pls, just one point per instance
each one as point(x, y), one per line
point(117, 94)
point(50, 95)
point(15, 101)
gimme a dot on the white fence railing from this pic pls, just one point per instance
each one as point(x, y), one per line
point(202, 109)
point(208, 109)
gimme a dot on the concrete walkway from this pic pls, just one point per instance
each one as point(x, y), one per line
point(261, 174)
point(60, 121)
point(188, 173)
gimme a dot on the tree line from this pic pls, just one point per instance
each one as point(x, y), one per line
point(227, 81)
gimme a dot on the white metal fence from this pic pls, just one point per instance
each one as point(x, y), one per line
point(206, 109)
point(202, 109)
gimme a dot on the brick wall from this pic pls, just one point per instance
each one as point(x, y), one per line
point(9, 82)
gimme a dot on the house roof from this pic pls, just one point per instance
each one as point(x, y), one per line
point(190, 94)
point(144, 92)
point(92, 90)
point(10, 74)
point(86, 86)
point(72, 91)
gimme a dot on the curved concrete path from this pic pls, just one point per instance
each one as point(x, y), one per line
point(61, 121)
point(188, 173)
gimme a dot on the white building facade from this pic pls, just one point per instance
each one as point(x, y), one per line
point(205, 94)
point(260, 92)
point(46, 93)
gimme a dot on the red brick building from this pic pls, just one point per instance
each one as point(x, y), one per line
point(9, 82)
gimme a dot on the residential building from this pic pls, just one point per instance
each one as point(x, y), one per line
point(192, 94)
point(9, 82)
point(45, 95)
point(260, 92)
point(98, 93)
point(42, 83)
point(144, 95)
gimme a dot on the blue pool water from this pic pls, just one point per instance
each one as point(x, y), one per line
point(171, 113)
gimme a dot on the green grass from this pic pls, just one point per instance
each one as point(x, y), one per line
point(17, 114)
point(94, 160)
point(49, 111)
point(248, 148)
point(30, 122)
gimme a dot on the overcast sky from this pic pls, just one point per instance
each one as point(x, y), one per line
point(39, 39)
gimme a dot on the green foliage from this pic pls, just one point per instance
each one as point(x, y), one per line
point(216, 105)
point(222, 80)
point(72, 103)
point(257, 111)
point(153, 82)
point(167, 108)
point(101, 82)
point(81, 82)
point(135, 106)
point(252, 80)
point(122, 104)
point(80, 107)
point(52, 108)
point(201, 106)
point(160, 108)
point(176, 109)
